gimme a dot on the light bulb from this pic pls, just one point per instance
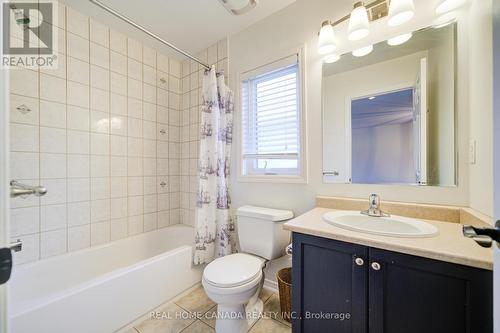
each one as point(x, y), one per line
point(359, 25)
point(398, 40)
point(400, 11)
point(331, 58)
point(445, 6)
point(326, 41)
point(363, 51)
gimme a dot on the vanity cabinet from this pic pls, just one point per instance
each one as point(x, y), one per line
point(342, 287)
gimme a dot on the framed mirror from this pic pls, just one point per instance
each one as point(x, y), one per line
point(389, 116)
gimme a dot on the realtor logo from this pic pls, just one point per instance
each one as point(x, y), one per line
point(29, 34)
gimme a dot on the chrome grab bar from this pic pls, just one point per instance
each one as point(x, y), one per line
point(18, 189)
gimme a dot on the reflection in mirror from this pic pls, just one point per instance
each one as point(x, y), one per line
point(389, 117)
point(386, 121)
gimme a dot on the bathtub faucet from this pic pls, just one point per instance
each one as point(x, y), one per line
point(18, 189)
point(16, 246)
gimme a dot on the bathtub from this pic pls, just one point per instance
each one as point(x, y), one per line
point(101, 289)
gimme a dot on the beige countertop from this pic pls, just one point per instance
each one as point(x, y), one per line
point(450, 245)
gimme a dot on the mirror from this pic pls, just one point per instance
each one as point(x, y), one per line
point(389, 117)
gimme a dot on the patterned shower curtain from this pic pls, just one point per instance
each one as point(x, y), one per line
point(212, 238)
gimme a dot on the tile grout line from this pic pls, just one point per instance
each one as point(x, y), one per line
point(109, 124)
point(127, 119)
point(156, 136)
point(142, 140)
point(39, 168)
point(191, 312)
point(67, 148)
point(185, 328)
point(90, 139)
point(202, 322)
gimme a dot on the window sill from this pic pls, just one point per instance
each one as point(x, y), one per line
point(272, 179)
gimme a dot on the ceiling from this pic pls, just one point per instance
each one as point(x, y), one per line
point(191, 25)
point(385, 109)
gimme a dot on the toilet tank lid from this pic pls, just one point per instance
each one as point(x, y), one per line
point(263, 213)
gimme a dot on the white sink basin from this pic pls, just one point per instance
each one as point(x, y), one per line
point(395, 226)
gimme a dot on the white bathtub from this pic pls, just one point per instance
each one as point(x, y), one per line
point(101, 289)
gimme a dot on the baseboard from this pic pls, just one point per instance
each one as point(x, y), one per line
point(271, 285)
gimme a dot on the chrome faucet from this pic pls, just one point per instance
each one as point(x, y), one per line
point(16, 246)
point(374, 208)
point(18, 189)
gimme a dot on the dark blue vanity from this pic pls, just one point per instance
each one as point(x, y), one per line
point(341, 287)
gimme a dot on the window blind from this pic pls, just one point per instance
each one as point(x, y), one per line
point(271, 118)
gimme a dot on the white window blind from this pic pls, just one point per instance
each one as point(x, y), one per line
point(271, 119)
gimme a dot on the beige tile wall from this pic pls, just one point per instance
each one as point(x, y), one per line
point(192, 77)
point(103, 135)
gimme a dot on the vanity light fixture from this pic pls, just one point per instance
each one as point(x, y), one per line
point(326, 41)
point(398, 40)
point(400, 11)
point(445, 6)
point(331, 58)
point(359, 25)
point(363, 51)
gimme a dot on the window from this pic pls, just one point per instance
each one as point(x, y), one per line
point(271, 120)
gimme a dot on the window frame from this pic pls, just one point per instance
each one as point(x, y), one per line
point(272, 177)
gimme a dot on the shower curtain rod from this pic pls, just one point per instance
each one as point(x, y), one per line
point(146, 31)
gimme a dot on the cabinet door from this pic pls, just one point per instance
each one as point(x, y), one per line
point(414, 295)
point(329, 287)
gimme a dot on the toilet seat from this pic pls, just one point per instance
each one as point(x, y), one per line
point(231, 291)
point(234, 270)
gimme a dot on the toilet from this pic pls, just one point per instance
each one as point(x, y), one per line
point(234, 281)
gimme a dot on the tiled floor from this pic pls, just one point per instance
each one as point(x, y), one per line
point(176, 317)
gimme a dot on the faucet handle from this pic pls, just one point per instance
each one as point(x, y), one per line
point(374, 207)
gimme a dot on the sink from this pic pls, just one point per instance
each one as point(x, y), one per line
point(395, 226)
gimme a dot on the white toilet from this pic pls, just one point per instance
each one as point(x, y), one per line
point(234, 281)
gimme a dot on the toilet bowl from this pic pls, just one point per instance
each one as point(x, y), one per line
point(231, 282)
point(234, 282)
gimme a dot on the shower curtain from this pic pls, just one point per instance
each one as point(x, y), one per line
point(212, 232)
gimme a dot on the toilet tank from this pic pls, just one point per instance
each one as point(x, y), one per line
point(260, 231)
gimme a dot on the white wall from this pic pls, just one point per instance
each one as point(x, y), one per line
point(481, 104)
point(496, 162)
point(383, 154)
point(440, 116)
point(298, 24)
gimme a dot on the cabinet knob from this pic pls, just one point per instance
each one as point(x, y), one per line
point(359, 261)
point(376, 266)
